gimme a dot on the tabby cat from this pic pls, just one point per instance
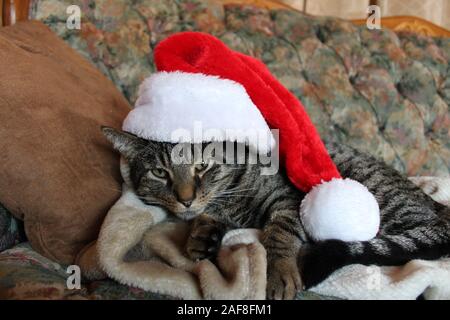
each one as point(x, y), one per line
point(219, 197)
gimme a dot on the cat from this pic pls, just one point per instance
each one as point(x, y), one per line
point(220, 197)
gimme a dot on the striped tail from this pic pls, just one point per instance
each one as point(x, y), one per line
point(321, 259)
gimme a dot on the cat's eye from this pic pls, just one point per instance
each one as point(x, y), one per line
point(201, 166)
point(159, 173)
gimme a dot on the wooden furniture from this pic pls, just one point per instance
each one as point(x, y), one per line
point(397, 23)
point(410, 24)
point(12, 11)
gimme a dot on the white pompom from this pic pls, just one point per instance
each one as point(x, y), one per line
point(341, 209)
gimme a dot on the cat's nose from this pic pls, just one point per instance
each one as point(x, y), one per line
point(187, 203)
point(185, 194)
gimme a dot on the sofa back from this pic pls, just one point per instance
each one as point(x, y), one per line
point(382, 92)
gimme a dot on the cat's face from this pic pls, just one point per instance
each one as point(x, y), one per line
point(183, 189)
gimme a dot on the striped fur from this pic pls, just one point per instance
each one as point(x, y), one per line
point(238, 196)
point(413, 226)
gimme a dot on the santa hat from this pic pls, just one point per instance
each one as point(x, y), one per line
point(202, 81)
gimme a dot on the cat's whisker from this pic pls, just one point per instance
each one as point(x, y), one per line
point(237, 195)
point(236, 190)
point(218, 200)
point(243, 194)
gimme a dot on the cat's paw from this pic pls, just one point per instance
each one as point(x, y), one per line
point(205, 239)
point(283, 279)
point(437, 188)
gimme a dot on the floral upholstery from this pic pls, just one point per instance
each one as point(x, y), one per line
point(25, 274)
point(379, 91)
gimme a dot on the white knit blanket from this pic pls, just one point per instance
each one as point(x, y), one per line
point(430, 278)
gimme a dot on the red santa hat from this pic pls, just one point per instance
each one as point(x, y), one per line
point(201, 80)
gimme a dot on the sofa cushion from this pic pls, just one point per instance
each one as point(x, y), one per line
point(58, 173)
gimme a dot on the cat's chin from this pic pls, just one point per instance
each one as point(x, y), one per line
point(187, 215)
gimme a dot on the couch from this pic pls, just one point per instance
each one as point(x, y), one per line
point(384, 92)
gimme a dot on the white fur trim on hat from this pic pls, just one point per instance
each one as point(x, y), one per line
point(341, 209)
point(193, 107)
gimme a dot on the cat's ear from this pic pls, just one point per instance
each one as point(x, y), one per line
point(126, 143)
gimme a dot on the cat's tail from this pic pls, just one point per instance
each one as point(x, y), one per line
point(321, 259)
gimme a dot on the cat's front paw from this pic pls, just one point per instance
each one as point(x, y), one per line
point(205, 239)
point(283, 279)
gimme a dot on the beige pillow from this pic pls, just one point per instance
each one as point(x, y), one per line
point(57, 171)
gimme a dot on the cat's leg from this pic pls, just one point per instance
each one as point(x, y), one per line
point(205, 237)
point(283, 237)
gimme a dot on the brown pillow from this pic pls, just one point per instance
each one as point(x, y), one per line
point(57, 171)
